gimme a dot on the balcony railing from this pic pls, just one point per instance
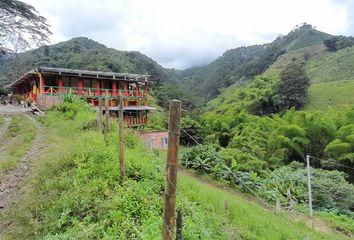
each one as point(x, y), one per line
point(140, 120)
point(94, 92)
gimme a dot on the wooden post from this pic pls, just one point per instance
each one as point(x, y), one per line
point(60, 85)
point(41, 83)
point(114, 88)
point(126, 88)
point(99, 113)
point(309, 185)
point(179, 225)
point(121, 141)
point(80, 84)
point(171, 170)
point(98, 89)
point(137, 89)
point(107, 113)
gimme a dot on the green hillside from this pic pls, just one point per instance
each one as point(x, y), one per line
point(240, 65)
point(337, 66)
point(300, 55)
point(336, 95)
point(82, 53)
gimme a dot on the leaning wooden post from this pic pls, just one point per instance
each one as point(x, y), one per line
point(107, 113)
point(171, 170)
point(99, 113)
point(121, 141)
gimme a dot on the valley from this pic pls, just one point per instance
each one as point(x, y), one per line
point(249, 119)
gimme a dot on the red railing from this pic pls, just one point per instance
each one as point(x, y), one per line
point(94, 91)
point(136, 121)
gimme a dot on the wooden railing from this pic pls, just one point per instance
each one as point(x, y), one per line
point(52, 90)
point(136, 121)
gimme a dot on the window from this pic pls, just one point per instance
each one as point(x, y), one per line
point(164, 142)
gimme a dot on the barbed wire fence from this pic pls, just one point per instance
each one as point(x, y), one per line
point(260, 199)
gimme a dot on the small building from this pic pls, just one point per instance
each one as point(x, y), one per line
point(45, 86)
point(155, 139)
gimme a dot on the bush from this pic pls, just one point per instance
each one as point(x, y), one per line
point(72, 105)
point(331, 192)
point(202, 158)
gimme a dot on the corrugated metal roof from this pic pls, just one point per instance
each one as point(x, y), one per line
point(89, 73)
point(81, 73)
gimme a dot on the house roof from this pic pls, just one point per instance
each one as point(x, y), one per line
point(80, 73)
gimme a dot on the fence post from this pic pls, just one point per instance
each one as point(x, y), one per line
point(107, 113)
point(99, 120)
point(179, 225)
point(309, 185)
point(121, 141)
point(171, 170)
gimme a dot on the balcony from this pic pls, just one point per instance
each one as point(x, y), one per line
point(95, 92)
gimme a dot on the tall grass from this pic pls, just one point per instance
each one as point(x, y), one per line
point(76, 195)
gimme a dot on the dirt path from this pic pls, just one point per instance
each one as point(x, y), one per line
point(11, 183)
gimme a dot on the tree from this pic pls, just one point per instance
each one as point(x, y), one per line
point(292, 88)
point(21, 24)
point(193, 131)
point(338, 42)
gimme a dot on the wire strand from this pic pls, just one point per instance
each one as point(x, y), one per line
point(330, 160)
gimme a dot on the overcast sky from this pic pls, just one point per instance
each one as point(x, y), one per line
point(184, 33)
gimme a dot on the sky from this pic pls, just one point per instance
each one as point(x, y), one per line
point(185, 33)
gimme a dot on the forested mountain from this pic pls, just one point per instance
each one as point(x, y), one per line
point(82, 53)
point(240, 65)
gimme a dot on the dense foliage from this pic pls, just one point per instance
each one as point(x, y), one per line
point(287, 184)
point(292, 89)
point(338, 42)
point(277, 140)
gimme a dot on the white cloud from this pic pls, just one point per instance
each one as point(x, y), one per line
point(185, 32)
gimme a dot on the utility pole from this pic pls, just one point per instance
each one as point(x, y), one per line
point(121, 141)
point(309, 185)
point(171, 170)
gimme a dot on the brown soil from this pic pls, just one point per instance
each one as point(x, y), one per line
point(11, 183)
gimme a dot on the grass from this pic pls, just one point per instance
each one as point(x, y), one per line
point(17, 140)
point(341, 223)
point(336, 95)
point(75, 195)
point(248, 219)
point(2, 120)
point(311, 52)
point(337, 66)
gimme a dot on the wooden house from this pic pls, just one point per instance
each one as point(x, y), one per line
point(45, 86)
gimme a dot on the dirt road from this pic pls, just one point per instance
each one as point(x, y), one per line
point(11, 182)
